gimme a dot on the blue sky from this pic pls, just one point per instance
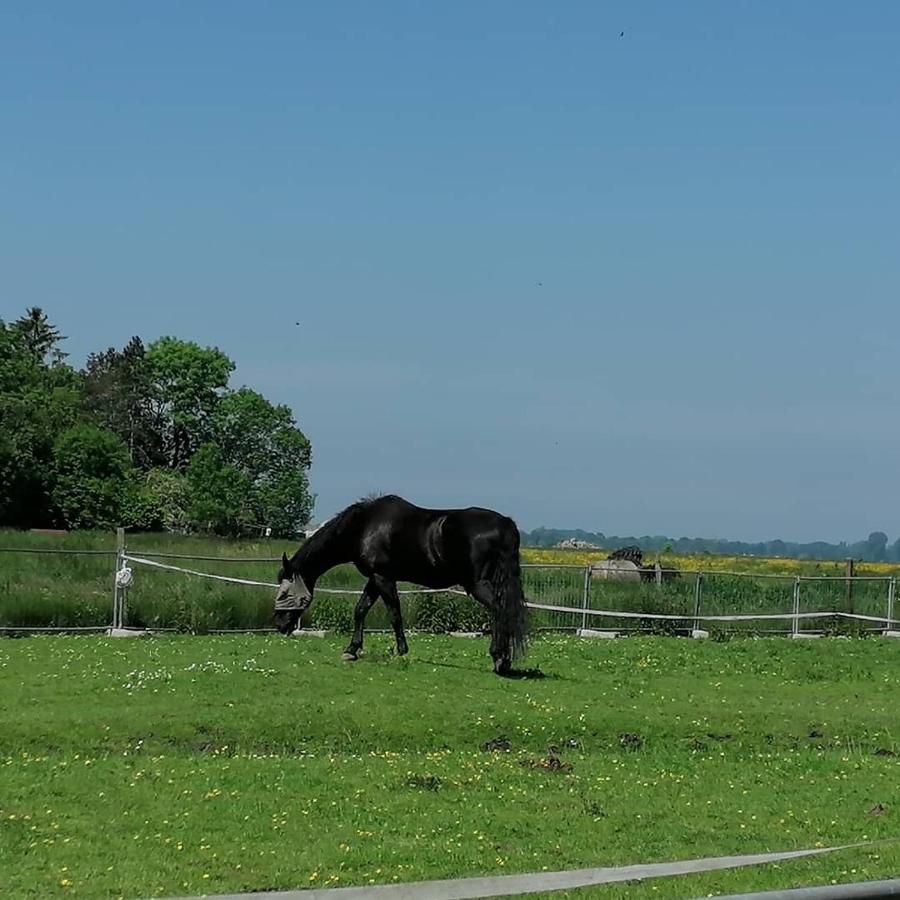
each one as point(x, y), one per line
point(632, 284)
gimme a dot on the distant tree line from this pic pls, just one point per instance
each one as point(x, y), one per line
point(874, 549)
point(149, 436)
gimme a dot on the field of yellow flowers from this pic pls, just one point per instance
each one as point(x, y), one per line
point(752, 565)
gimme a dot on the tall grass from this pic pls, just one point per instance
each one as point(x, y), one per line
point(54, 589)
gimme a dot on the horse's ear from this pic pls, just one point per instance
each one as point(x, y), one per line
point(285, 562)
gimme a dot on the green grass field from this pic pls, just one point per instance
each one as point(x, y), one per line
point(183, 764)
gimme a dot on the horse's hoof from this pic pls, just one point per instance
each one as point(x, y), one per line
point(349, 657)
point(502, 666)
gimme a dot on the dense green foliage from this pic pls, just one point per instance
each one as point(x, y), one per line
point(181, 766)
point(39, 397)
point(93, 473)
point(147, 437)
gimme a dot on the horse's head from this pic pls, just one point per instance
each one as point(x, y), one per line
point(292, 599)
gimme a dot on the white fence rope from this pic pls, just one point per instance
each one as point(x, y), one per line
point(170, 568)
point(598, 613)
point(227, 578)
point(226, 559)
point(622, 614)
point(531, 883)
point(47, 551)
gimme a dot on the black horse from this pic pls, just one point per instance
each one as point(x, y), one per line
point(390, 540)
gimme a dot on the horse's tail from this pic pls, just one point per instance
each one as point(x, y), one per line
point(510, 614)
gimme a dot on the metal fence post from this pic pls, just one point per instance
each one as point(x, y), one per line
point(851, 572)
point(795, 622)
point(119, 597)
point(698, 597)
point(891, 596)
point(585, 596)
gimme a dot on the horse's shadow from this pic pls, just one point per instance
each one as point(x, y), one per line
point(533, 674)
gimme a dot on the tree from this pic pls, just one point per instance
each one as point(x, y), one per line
point(93, 477)
point(285, 503)
point(195, 452)
point(118, 395)
point(155, 501)
point(217, 493)
point(876, 547)
point(38, 336)
point(37, 400)
point(187, 382)
point(170, 492)
point(262, 441)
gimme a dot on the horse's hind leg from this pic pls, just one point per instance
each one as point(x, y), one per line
point(392, 602)
point(369, 596)
point(500, 652)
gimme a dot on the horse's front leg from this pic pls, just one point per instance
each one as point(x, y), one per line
point(392, 602)
point(368, 598)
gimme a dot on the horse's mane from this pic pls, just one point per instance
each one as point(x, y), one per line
point(333, 528)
